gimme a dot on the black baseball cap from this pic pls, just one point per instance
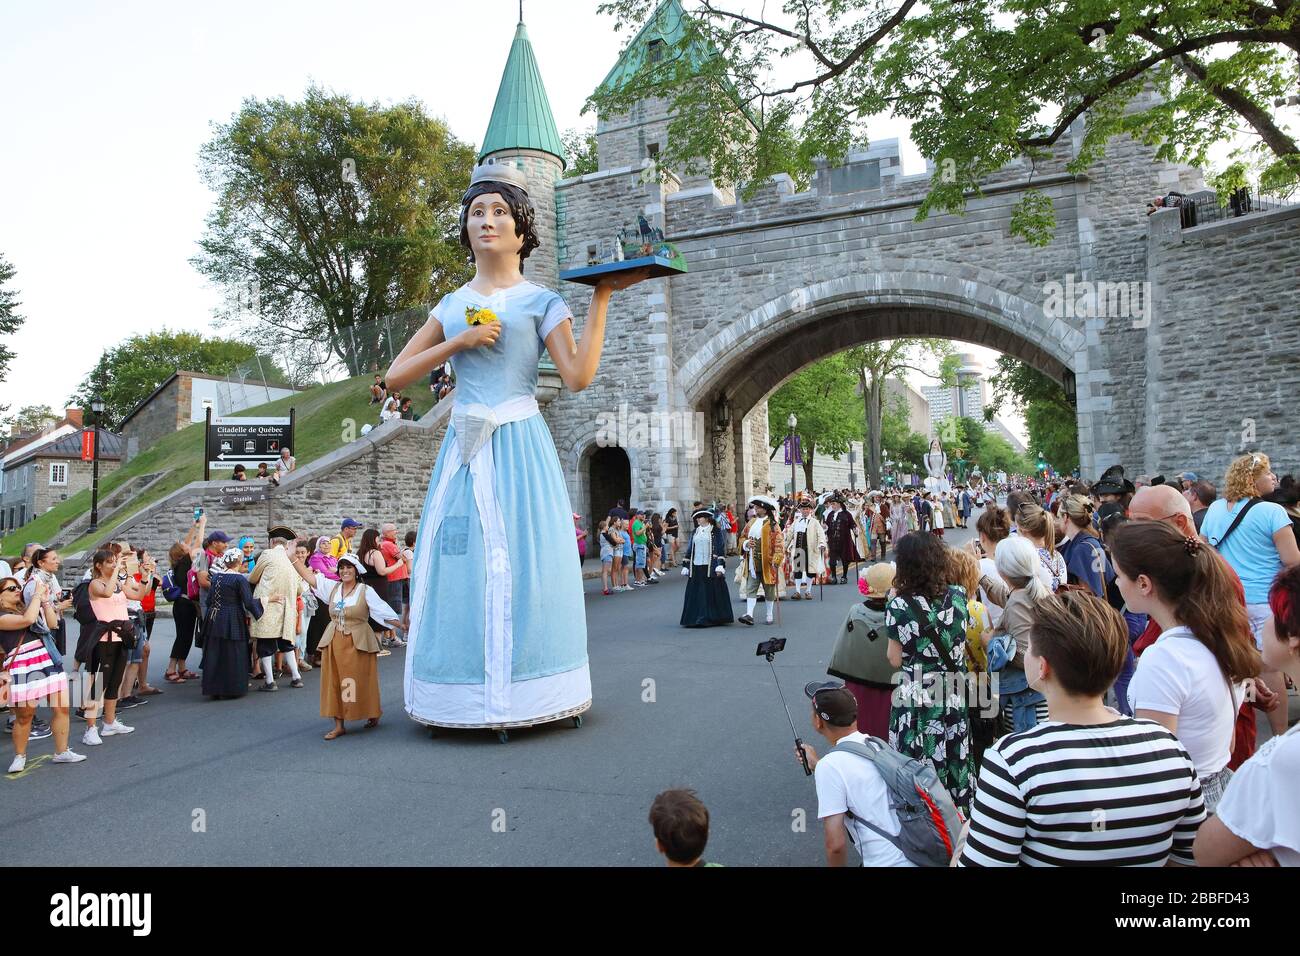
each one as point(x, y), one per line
point(833, 702)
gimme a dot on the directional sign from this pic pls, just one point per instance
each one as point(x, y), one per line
point(247, 441)
point(245, 492)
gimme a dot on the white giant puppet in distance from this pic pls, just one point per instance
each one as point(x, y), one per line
point(936, 468)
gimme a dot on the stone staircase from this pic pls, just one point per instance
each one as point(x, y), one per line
point(109, 505)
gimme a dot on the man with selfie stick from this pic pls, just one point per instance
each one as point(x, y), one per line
point(852, 799)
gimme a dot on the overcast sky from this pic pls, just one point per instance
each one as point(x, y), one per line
point(101, 206)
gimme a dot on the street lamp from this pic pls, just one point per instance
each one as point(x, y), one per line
point(96, 406)
point(793, 423)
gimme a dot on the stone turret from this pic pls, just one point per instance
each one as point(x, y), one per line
point(522, 131)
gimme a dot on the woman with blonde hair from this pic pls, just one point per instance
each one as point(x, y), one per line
point(1086, 561)
point(1254, 536)
point(1039, 527)
point(1019, 592)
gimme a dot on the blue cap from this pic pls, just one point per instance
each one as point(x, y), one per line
point(351, 523)
point(218, 536)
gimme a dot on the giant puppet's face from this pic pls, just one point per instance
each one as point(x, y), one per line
point(491, 227)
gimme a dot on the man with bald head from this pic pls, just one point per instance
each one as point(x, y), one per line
point(1165, 503)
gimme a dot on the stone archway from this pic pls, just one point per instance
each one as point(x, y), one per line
point(578, 474)
point(738, 364)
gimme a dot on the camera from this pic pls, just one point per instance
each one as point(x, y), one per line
point(774, 646)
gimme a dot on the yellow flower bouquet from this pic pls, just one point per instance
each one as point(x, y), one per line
point(477, 316)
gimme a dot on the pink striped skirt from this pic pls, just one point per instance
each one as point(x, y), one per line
point(36, 679)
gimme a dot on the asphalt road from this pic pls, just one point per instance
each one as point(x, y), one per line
point(250, 781)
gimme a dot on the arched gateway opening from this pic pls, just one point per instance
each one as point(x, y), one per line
point(732, 369)
point(609, 478)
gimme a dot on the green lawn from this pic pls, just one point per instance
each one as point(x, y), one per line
point(322, 412)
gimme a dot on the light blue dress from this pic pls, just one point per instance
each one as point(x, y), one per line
point(498, 629)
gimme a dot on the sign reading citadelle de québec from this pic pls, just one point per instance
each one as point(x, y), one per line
point(247, 441)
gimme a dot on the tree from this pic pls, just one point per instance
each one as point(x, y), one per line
point(331, 215)
point(580, 150)
point(961, 437)
point(897, 440)
point(127, 373)
point(821, 398)
point(29, 418)
point(10, 320)
point(1049, 414)
point(998, 454)
point(875, 362)
point(982, 83)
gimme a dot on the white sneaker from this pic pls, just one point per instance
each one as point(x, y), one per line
point(20, 761)
point(116, 727)
point(68, 756)
point(91, 737)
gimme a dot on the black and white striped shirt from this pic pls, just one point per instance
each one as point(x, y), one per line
point(1119, 794)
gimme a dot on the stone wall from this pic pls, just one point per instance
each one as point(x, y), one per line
point(79, 479)
point(543, 171)
point(166, 412)
point(1223, 348)
point(380, 477)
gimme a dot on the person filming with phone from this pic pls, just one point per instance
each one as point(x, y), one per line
point(849, 787)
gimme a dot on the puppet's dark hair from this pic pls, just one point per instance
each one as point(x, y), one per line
point(521, 207)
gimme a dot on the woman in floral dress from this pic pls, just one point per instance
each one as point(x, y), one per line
point(926, 622)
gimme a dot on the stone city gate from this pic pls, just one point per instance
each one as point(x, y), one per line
point(785, 277)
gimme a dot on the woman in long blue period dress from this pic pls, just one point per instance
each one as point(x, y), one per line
point(498, 634)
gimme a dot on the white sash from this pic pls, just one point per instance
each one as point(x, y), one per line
point(472, 440)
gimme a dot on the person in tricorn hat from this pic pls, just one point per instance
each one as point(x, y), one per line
point(805, 542)
point(708, 602)
point(763, 553)
point(1113, 486)
point(840, 528)
point(275, 577)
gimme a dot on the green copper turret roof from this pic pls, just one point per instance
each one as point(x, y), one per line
point(668, 25)
point(521, 118)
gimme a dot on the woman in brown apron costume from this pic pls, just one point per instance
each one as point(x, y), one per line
point(349, 686)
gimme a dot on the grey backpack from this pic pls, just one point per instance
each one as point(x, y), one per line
point(929, 821)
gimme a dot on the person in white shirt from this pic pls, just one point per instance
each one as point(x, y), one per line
point(284, 464)
point(849, 788)
point(1258, 820)
point(1192, 679)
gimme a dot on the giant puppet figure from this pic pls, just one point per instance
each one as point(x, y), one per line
point(936, 468)
point(498, 635)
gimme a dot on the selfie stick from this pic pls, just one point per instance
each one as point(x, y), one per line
point(803, 757)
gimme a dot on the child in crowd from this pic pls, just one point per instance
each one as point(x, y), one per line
point(681, 827)
point(606, 556)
